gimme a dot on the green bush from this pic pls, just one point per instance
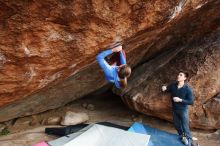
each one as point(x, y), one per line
point(4, 131)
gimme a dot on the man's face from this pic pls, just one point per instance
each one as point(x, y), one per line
point(181, 77)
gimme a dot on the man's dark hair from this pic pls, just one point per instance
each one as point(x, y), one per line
point(185, 73)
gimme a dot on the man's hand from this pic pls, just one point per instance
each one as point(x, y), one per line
point(164, 88)
point(177, 99)
point(117, 49)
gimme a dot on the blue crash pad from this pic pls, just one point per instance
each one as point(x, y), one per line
point(157, 137)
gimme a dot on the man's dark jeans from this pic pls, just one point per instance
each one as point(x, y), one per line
point(181, 122)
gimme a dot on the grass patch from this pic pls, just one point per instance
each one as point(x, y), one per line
point(4, 131)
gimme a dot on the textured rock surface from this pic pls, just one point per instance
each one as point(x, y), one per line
point(45, 42)
point(200, 56)
point(72, 118)
point(201, 60)
point(23, 121)
point(26, 138)
point(114, 112)
point(2, 126)
point(53, 120)
point(47, 48)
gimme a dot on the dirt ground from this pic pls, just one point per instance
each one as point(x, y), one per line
point(29, 130)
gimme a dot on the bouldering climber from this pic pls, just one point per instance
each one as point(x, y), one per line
point(114, 72)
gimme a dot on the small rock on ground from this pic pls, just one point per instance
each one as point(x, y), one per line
point(72, 118)
point(53, 120)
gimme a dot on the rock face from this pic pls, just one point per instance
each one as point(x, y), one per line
point(55, 43)
point(201, 60)
point(42, 43)
point(48, 49)
point(72, 118)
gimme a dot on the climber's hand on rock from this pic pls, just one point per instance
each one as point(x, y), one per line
point(117, 49)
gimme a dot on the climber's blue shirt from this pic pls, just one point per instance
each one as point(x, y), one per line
point(111, 72)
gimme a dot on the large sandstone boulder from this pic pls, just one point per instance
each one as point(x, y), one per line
point(201, 59)
point(48, 48)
